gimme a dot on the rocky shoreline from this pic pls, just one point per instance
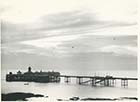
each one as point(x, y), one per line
point(18, 96)
point(98, 99)
point(109, 99)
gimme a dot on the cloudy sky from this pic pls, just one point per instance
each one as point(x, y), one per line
point(69, 34)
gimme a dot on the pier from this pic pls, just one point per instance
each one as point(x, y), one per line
point(98, 80)
point(51, 76)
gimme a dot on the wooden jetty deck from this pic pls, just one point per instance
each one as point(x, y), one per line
point(96, 80)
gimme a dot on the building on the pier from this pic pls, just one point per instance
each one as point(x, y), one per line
point(34, 76)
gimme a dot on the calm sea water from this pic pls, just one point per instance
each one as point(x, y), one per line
point(64, 90)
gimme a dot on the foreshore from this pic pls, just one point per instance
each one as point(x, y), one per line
point(98, 99)
point(20, 96)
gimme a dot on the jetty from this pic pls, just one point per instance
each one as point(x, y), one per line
point(98, 80)
point(51, 76)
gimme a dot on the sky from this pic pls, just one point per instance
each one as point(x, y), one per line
point(69, 34)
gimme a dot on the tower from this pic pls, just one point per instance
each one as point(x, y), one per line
point(29, 69)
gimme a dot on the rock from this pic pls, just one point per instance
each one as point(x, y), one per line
point(109, 99)
point(59, 99)
point(19, 96)
point(91, 99)
point(74, 98)
point(131, 98)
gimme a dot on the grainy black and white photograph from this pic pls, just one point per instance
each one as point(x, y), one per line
point(69, 50)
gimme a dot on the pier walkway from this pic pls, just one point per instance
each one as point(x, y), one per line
point(98, 80)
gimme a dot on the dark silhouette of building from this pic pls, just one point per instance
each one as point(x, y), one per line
point(34, 76)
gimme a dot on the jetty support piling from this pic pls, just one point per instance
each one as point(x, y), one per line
point(93, 82)
point(106, 82)
point(67, 79)
point(80, 80)
point(124, 82)
point(113, 82)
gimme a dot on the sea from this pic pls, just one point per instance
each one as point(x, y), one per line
point(65, 90)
